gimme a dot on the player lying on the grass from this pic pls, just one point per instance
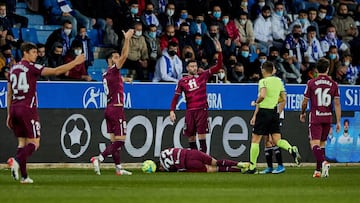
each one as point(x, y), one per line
point(191, 160)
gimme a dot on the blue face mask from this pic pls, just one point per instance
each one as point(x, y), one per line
point(183, 15)
point(152, 34)
point(217, 14)
point(198, 41)
point(302, 20)
point(225, 21)
point(134, 10)
point(262, 60)
point(332, 56)
point(279, 13)
point(244, 54)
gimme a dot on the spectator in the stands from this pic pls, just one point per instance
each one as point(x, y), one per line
point(138, 54)
point(168, 36)
point(262, 30)
point(6, 23)
point(345, 25)
point(169, 66)
point(148, 17)
point(111, 39)
point(322, 21)
point(198, 25)
point(256, 9)
point(231, 30)
point(55, 58)
point(17, 20)
point(7, 60)
point(79, 72)
point(61, 35)
point(42, 58)
point(279, 25)
point(62, 10)
point(87, 46)
point(159, 6)
point(153, 45)
point(184, 36)
point(167, 18)
point(183, 18)
point(246, 30)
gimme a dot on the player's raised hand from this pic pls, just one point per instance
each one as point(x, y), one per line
point(128, 34)
point(80, 59)
point(217, 45)
point(172, 116)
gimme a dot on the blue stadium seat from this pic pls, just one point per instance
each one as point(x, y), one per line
point(21, 4)
point(44, 27)
point(99, 64)
point(95, 74)
point(20, 11)
point(16, 32)
point(93, 34)
point(35, 19)
point(29, 35)
point(43, 35)
point(124, 71)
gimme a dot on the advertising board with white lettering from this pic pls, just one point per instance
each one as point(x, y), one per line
point(157, 96)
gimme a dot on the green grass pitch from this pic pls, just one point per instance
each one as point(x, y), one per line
point(82, 185)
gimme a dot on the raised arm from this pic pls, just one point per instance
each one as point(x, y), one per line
point(63, 68)
point(219, 63)
point(125, 48)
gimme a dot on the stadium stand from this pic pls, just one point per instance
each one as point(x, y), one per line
point(29, 35)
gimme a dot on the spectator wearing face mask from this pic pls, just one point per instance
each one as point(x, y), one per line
point(197, 26)
point(87, 46)
point(237, 74)
point(7, 60)
point(187, 54)
point(167, 18)
point(222, 76)
point(61, 35)
point(262, 30)
point(331, 39)
point(246, 31)
point(169, 66)
point(148, 18)
point(78, 73)
point(138, 54)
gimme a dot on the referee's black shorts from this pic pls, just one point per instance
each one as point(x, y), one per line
point(267, 122)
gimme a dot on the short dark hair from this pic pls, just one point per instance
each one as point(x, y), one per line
point(172, 44)
point(268, 66)
point(27, 46)
point(346, 121)
point(322, 65)
point(190, 61)
point(110, 53)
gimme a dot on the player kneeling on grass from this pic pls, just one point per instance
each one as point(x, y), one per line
point(191, 160)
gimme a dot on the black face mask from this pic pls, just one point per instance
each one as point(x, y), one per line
point(238, 73)
point(172, 53)
point(232, 62)
point(198, 21)
point(183, 33)
point(148, 12)
point(272, 58)
point(296, 35)
point(188, 55)
point(7, 55)
point(212, 34)
point(266, 17)
point(170, 36)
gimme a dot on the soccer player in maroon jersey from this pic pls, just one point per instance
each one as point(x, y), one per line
point(22, 116)
point(321, 92)
point(194, 88)
point(191, 160)
point(114, 112)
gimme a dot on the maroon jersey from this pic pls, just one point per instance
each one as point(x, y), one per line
point(321, 91)
point(173, 159)
point(23, 77)
point(194, 87)
point(113, 86)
